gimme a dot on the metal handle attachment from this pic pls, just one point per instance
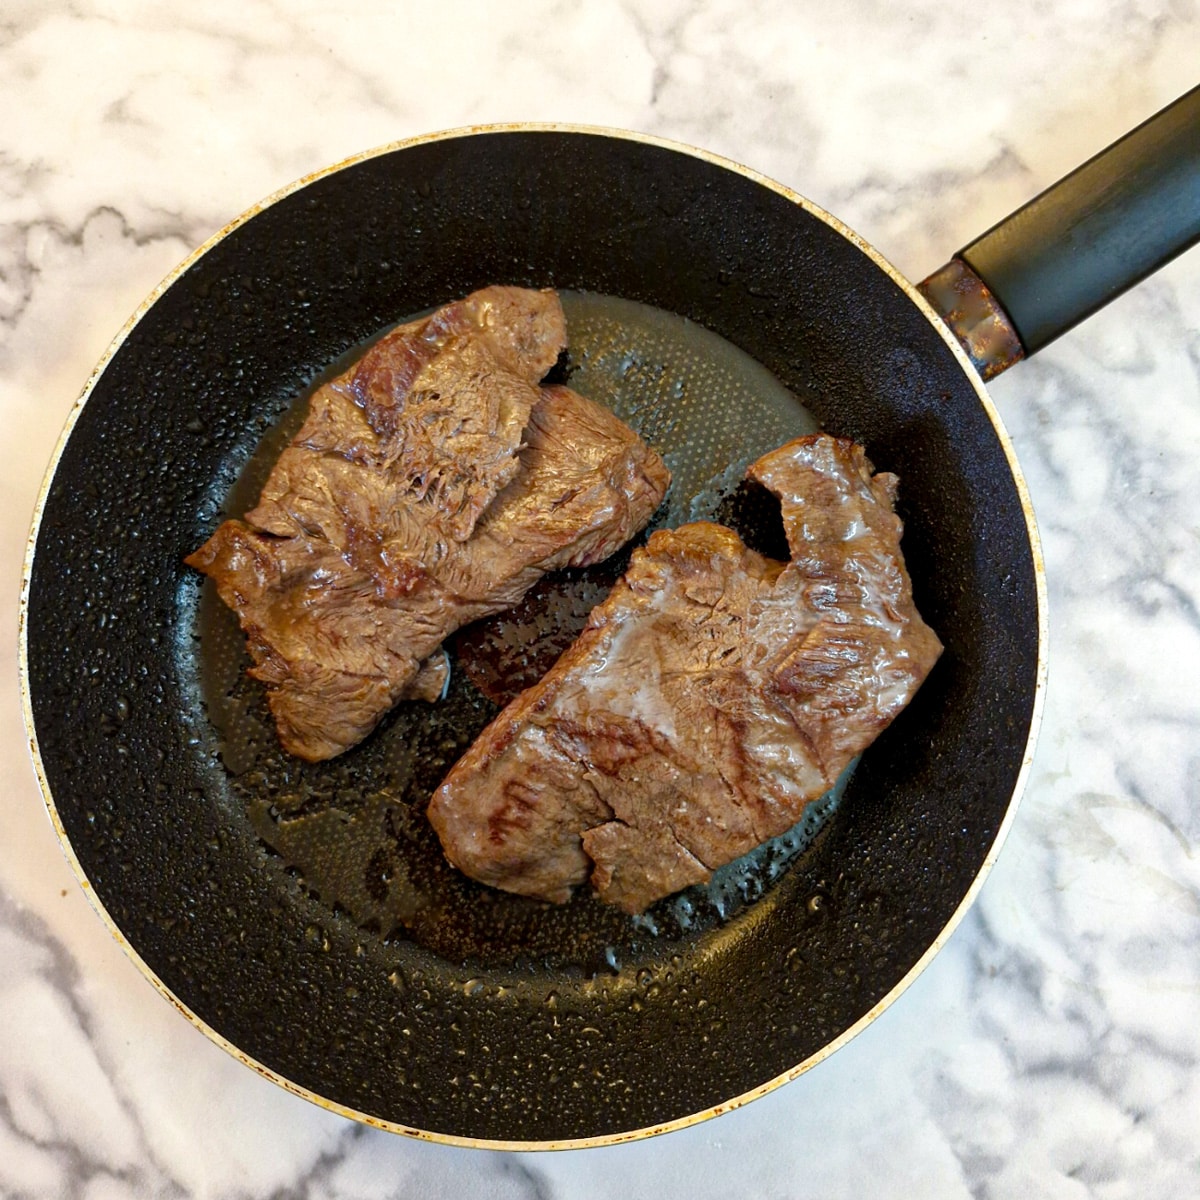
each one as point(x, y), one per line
point(1080, 244)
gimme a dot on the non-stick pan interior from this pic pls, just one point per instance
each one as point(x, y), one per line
point(544, 1044)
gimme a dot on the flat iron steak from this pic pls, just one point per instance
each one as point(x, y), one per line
point(712, 696)
point(431, 484)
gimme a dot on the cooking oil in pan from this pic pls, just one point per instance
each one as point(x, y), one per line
point(352, 832)
point(707, 407)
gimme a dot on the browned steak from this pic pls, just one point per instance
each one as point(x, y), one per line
point(430, 485)
point(712, 696)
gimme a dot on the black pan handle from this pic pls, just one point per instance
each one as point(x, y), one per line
point(1078, 245)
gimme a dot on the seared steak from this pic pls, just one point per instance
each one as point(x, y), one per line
point(430, 485)
point(711, 697)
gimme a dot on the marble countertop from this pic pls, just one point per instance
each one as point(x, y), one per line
point(1053, 1048)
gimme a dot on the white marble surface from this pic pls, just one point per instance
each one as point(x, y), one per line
point(1053, 1049)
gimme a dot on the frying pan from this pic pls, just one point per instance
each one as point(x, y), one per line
point(554, 1030)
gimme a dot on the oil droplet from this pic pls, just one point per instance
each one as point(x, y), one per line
point(472, 987)
point(647, 922)
point(397, 980)
point(314, 935)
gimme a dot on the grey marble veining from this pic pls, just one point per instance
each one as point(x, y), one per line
point(1053, 1048)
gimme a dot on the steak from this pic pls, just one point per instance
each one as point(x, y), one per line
point(711, 697)
point(430, 485)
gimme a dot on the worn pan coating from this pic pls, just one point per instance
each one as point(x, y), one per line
point(534, 1052)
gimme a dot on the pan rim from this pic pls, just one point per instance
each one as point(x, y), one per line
point(955, 918)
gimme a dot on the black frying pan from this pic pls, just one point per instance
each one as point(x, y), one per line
point(540, 1026)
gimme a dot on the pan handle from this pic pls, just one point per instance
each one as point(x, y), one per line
point(1078, 245)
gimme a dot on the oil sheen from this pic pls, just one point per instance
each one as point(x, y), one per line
point(352, 832)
